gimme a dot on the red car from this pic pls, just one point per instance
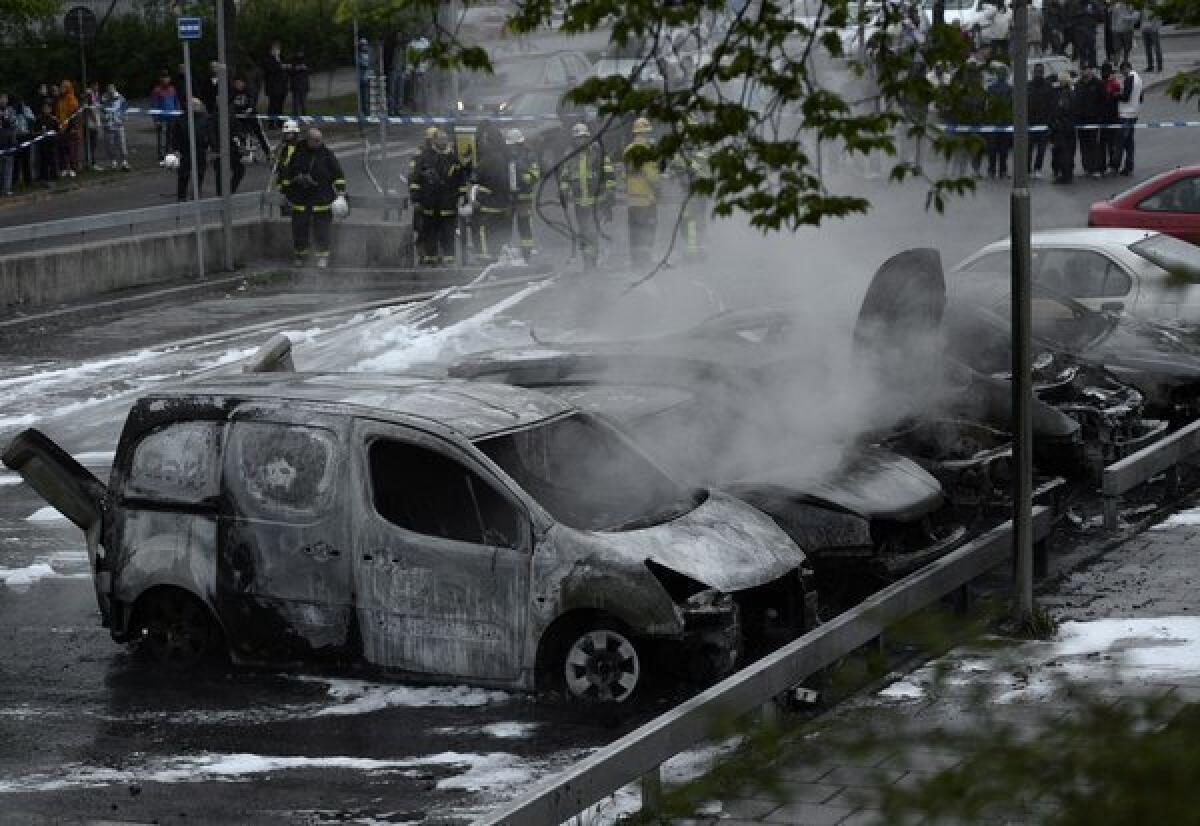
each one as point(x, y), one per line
point(1168, 203)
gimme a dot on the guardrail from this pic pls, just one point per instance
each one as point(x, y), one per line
point(1136, 468)
point(134, 219)
point(641, 753)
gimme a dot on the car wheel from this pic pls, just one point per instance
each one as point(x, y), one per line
point(601, 665)
point(177, 631)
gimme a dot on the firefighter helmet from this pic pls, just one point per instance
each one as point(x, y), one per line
point(514, 136)
point(641, 126)
point(580, 130)
point(431, 133)
point(291, 127)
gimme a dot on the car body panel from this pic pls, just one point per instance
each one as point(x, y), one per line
point(1155, 204)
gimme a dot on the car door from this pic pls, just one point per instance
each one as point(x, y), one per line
point(442, 558)
point(283, 567)
point(1174, 210)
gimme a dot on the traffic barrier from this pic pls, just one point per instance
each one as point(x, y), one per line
point(1162, 456)
point(641, 753)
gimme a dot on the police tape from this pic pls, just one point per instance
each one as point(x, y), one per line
point(419, 120)
point(992, 130)
point(44, 136)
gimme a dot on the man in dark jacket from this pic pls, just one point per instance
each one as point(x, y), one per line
point(183, 149)
point(999, 111)
point(435, 178)
point(1041, 104)
point(275, 83)
point(1062, 131)
point(1089, 109)
point(316, 187)
point(298, 80)
point(245, 118)
point(1110, 137)
point(492, 218)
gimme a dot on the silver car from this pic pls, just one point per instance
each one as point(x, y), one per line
point(436, 530)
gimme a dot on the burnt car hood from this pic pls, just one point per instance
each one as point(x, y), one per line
point(870, 481)
point(722, 543)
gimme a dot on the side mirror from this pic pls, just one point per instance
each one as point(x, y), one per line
point(1113, 306)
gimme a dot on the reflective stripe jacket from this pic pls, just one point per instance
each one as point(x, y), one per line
point(434, 180)
point(641, 179)
point(314, 177)
point(587, 179)
point(523, 175)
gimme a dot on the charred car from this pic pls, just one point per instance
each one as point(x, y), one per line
point(430, 529)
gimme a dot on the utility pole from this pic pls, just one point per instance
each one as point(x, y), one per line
point(189, 29)
point(227, 148)
point(1022, 379)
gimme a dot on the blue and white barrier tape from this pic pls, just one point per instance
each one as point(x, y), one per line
point(429, 120)
point(991, 130)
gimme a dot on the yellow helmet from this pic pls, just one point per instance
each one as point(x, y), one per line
point(641, 126)
point(431, 133)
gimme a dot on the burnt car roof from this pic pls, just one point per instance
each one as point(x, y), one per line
point(473, 409)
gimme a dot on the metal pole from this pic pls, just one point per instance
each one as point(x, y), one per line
point(358, 81)
point(227, 148)
point(383, 114)
point(1022, 383)
point(191, 117)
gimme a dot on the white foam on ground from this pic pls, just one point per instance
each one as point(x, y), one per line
point(903, 690)
point(7, 479)
point(1188, 517)
point(46, 514)
point(501, 731)
point(362, 697)
point(481, 773)
point(69, 374)
point(22, 578)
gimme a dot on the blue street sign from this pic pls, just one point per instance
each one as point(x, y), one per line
point(189, 28)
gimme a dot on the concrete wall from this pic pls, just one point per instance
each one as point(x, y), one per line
point(72, 273)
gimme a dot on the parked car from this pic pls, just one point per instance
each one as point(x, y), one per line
point(433, 529)
point(1168, 203)
point(555, 72)
point(1140, 272)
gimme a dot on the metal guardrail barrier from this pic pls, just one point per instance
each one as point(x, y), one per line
point(1162, 456)
point(641, 753)
point(134, 218)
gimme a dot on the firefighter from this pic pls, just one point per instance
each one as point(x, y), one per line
point(641, 189)
point(316, 189)
point(283, 154)
point(695, 207)
point(435, 179)
point(492, 196)
point(586, 181)
point(523, 175)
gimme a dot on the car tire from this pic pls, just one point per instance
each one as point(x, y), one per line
point(177, 631)
point(600, 664)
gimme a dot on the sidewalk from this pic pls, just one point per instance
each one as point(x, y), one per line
point(1129, 629)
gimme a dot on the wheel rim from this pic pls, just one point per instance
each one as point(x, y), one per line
point(177, 631)
point(602, 666)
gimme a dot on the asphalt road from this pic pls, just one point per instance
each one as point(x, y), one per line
point(88, 733)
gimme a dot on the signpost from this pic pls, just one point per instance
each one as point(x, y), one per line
point(227, 148)
point(190, 29)
point(79, 23)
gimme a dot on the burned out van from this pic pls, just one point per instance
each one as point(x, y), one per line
point(434, 530)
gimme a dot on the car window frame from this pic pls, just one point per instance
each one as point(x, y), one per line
point(479, 465)
point(1192, 180)
point(130, 493)
point(252, 508)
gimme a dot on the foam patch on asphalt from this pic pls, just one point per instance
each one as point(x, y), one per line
point(1183, 518)
point(46, 514)
point(903, 690)
point(362, 697)
point(22, 578)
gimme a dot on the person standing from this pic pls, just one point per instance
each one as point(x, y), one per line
point(233, 150)
point(282, 157)
point(1129, 107)
point(244, 119)
point(92, 123)
point(275, 83)
point(999, 110)
point(113, 106)
point(23, 120)
point(585, 180)
point(317, 190)
point(66, 111)
point(493, 196)
point(523, 176)
point(1041, 106)
point(641, 191)
point(1124, 18)
point(435, 178)
point(1152, 38)
point(1062, 131)
point(163, 99)
point(45, 129)
point(8, 144)
point(183, 149)
point(1089, 111)
point(1110, 136)
point(298, 80)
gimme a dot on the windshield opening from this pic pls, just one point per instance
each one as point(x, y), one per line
point(588, 477)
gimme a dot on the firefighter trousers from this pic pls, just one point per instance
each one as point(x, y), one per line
point(493, 230)
point(643, 222)
point(525, 230)
point(437, 238)
point(587, 235)
point(314, 220)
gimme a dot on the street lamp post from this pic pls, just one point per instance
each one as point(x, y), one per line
point(226, 148)
point(1022, 381)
